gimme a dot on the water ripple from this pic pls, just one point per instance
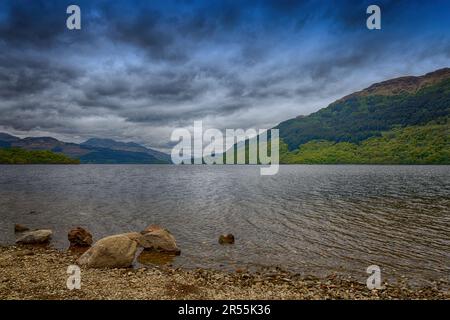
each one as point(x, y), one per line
point(309, 219)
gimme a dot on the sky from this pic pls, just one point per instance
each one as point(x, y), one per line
point(139, 69)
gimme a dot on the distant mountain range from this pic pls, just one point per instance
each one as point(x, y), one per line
point(126, 147)
point(99, 151)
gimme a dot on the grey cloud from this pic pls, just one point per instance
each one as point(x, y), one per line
point(172, 116)
point(20, 76)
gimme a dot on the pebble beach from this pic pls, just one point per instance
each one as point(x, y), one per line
point(41, 273)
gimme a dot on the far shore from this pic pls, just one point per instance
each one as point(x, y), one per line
point(41, 273)
point(228, 165)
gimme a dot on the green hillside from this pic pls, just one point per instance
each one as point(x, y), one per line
point(21, 156)
point(399, 121)
point(368, 114)
point(427, 144)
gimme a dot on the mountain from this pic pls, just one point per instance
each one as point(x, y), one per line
point(72, 150)
point(126, 146)
point(408, 85)
point(7, 137)
point(399, 121)
point(108, 156)
point(399, 102)
point(6, 140)
point(85, 153)
point(403, 117)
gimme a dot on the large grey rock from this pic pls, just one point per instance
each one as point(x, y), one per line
point(116, 251)
point(35, 237)
point(158, 239)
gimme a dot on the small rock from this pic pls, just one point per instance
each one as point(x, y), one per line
point(79, 237)
point(35, 237)
point(226, 239)
point(20, 228)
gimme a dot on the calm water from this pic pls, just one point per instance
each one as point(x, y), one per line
point(308, 219)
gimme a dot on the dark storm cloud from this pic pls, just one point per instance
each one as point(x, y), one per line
point(137, 69)
point(150, 33)
point(162, 87)
point(40, 24)
point(30, 23)
point(167, 117)
point(22, 76)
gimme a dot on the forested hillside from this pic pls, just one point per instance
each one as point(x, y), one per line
point(21, 156)
point(400, 102)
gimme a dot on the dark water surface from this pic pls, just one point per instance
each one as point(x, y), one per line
point(308, 219)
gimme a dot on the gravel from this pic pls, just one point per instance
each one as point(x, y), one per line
point(41, 273)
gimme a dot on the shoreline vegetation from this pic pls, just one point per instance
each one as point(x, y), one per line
point(426, 144)
point(41, 273)
point(21, 156)
point(412, 145)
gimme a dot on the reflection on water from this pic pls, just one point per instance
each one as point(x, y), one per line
point(308, 219)
point(147, 257)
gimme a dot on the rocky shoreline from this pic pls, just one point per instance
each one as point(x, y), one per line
point(41, 273)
